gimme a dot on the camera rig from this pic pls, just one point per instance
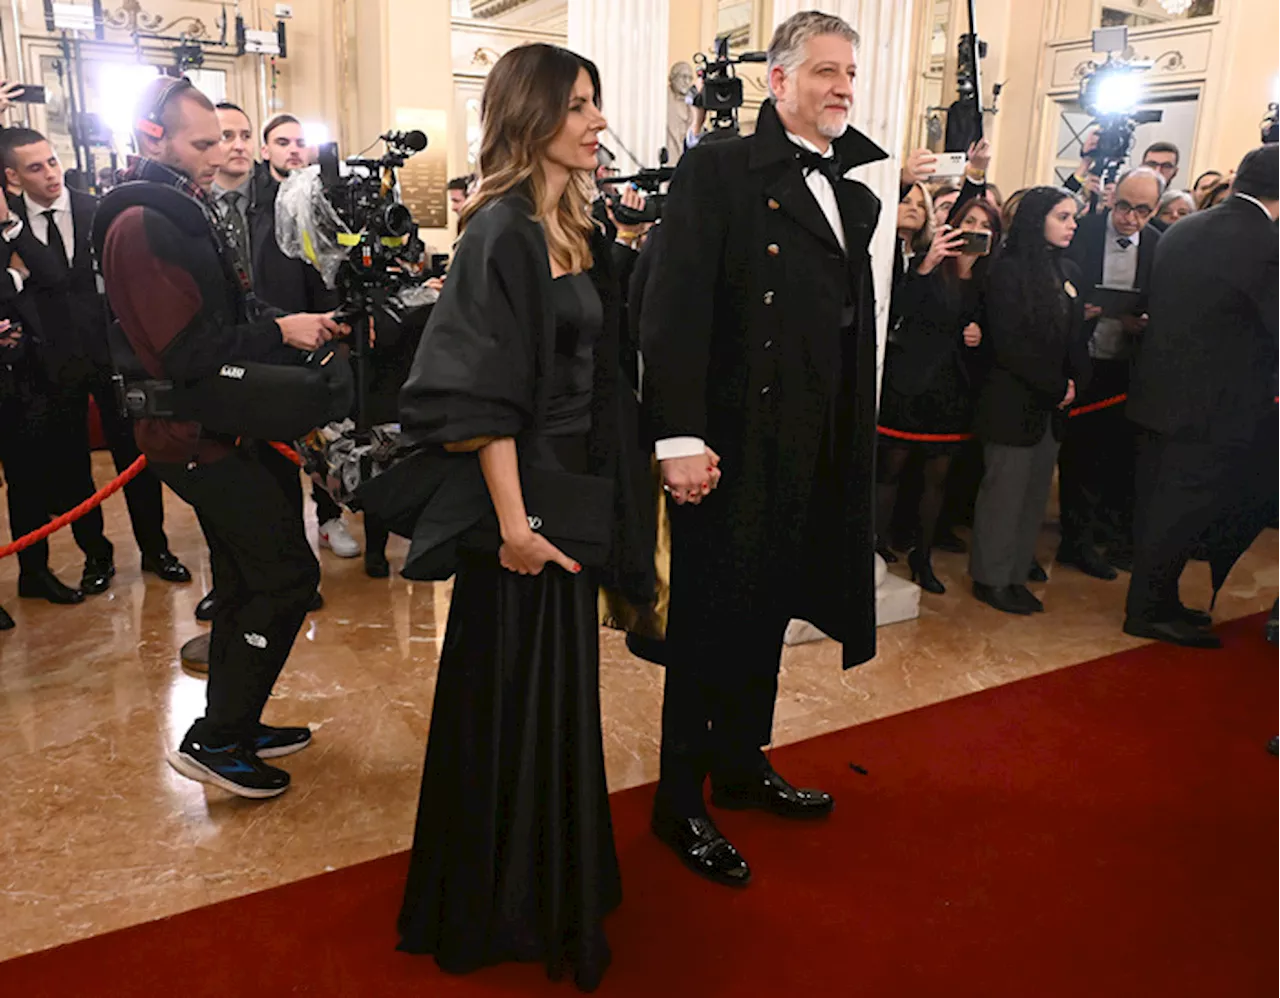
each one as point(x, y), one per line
point(1111, 93)
point(651, 182)
point(722, 95)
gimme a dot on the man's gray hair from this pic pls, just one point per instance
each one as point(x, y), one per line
point(789, 40)
point(1143, 171)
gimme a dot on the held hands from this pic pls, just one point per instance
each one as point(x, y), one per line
point(691, 479)
point(1070, 396)
point(528, 553)
point(1092, 312)
point(946, 243)
point(972, 335)
point(7, 338)
point(1134, 325)
point(308, 331)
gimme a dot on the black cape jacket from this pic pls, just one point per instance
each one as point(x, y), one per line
point(482, 369)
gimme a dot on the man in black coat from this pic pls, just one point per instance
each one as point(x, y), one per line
point(758, 340)
point(51, 235)
point(1115, 249)
point(1204, 391)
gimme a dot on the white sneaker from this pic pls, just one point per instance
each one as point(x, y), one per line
point(335, 536)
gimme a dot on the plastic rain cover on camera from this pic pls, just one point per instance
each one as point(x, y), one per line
point(340, 460)
point(307, 227)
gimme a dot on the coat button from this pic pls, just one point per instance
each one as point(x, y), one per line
point(773, 204)
point(773, 249)
point(768, 344)
point(768, 297)
point(764, 390)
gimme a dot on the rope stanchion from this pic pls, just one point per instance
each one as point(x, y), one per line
point(108, 490)
point(101, 496)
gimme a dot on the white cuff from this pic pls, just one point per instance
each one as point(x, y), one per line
point(675, 447)
point(11, 228)
point(17, 280)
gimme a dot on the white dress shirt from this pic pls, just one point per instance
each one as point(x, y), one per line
point(1119, 270)
point(61, 209)
point(825, 194)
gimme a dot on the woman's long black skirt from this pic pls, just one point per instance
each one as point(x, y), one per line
point(513, 854)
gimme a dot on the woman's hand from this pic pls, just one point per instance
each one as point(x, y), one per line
point(919, 166)
point(946, 243)
point(980, 154)
point(1070, 396)
point(528, 553)
point(972, 335)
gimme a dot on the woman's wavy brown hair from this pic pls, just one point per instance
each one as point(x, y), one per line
point(524, 106)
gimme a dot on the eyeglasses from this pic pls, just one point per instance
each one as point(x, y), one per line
point(1141, 210)
point(1162, 167)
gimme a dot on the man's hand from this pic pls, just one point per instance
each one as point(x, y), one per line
point(1070, 396)
point(1091, 312)
point(17, 263)
point(436, 284)
point(528, 553)
point(920, 165)
point(972, 335)
point(690, 479)
point(7, 338)
point(308, 331)
point(9, 93)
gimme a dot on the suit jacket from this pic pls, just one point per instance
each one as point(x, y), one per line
point(1207, 370)
point(289, 284)
point(929, 335)
point(1086, 252)
point(72, 337)
point(758, 335)
point(1030, 366)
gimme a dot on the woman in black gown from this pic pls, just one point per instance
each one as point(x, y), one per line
point(518, 375)
point(931, 365)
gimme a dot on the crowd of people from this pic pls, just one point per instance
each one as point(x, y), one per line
point(733, 347)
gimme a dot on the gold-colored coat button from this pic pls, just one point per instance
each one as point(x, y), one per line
point(768, 297)
point(774, 204)
point(773, 249)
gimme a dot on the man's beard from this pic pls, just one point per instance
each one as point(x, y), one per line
point(834, 131)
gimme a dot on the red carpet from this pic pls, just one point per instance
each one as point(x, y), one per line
point(1105, 830)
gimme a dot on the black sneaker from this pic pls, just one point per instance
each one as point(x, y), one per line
point(232, 767)
point(271, 743)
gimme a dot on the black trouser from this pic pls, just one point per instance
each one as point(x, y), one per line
point(1096, 465)
point(264, 573)
point(24, 452)
point(717, 709)
point(1183, 488)
point(143, 495)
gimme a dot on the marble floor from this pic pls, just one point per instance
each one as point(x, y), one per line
point(96, 832)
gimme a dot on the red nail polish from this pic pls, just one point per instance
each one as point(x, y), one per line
point(576, 568)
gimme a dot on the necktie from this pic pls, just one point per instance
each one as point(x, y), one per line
point(234, 219)
point(54, 239)
point(829, 166)
point(1124, 242)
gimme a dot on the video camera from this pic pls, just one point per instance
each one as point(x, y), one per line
point(1111, 93)
point(648, 181)
point(721, 93)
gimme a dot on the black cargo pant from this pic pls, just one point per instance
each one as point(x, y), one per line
point(265, 574)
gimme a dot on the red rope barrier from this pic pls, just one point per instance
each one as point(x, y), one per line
point(1095, 406)
point(926, 438)
point(101, 496)
point(108, 490)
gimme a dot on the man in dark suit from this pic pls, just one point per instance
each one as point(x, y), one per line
point(1114, 249)
point(52, 238)
point(1204, 390)
point(758, 339)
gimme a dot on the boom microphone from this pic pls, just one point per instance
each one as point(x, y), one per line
point(415, 140)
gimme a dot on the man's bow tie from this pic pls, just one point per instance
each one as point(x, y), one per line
point(828, 165)
point(1124, 242)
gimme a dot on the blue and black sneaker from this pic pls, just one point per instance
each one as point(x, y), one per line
point(235, 768)
point(271, 743)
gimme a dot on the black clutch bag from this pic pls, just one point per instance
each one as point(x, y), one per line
point(574, 512)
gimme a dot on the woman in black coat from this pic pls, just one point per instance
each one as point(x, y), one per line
point(518, 388)
point(926, 406)
point(1035, 317)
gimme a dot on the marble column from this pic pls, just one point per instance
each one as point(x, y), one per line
point(879, 111)
point(628, 40)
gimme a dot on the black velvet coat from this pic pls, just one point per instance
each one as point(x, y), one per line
point(481, 369)
point(758, 335)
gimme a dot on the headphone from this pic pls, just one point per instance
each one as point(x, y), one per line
point(150, 123)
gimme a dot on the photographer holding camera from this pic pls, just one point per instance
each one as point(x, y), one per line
point(185, 307)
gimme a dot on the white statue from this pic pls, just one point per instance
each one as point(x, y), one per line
point(679, 111)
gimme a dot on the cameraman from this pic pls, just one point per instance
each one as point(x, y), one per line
point(186, 310)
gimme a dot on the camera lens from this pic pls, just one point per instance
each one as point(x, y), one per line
point(395, 220)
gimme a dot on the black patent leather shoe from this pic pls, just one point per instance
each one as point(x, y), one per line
point(921, 566)
point(1174, 632)
point(1002, 598)
point(1196, 618)
point(47, 586)
point(6, 622)
point(376, 565)
point(1036, 573)
point(167, 567)
point(701, 847)
point(767, 791)
point(1028, 598)
point(1088, 560)
point(206, 607)
point(97, 576)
